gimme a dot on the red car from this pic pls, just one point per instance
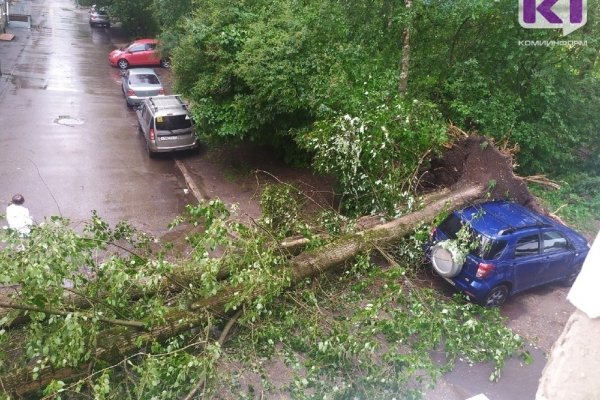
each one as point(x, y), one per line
point(139, 52)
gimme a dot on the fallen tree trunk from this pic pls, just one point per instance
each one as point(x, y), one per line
point(116, 344)
point(315, 262)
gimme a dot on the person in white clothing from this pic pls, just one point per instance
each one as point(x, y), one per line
point(17, 215)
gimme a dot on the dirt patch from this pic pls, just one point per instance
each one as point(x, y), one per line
point(238, 174)
point(477, 160)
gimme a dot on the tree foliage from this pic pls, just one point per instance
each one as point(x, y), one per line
point(272, 71)
point(279, 71)
point(475, 62)
point(375, 154)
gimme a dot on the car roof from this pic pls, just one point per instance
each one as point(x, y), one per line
point(140, 41)
point(168, 105)
point(501, 218)
point(141, 71)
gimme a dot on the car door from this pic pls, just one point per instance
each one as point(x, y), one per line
point(557, 255)
point(527, 261)
point(151, 55)
point(143, 118)
point(125, 81)
point(137, 54)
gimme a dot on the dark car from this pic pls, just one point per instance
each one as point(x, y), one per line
point(139, 52)
point(492, 250)
point(99, 16)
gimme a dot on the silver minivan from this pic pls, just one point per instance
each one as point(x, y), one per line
point(166, 125)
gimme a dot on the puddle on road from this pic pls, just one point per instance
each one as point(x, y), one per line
point(22, 82)
point(67, 120)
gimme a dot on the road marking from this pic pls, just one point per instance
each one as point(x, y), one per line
point(480, 396)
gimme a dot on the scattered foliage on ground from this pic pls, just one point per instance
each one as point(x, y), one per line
point(369, 328)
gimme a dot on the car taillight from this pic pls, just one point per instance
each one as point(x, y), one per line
point(161, 91)
point(130, 92)
point(484, 270)
point(151, 134)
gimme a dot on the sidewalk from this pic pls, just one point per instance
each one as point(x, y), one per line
point(10, 51)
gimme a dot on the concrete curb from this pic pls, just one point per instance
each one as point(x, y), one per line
point(189, 181)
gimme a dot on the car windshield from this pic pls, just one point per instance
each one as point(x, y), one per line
point(147, 79)
point(173, 122)
point(487, 248)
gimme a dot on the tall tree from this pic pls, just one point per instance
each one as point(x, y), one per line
point(405, 62)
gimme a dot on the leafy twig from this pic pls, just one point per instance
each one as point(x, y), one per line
point(132, 324)
point(221, 340)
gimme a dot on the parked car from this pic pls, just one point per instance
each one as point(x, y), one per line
point(140, 52)
point(495, 249)
point(99, 16)
point(139, 83)
point(166, 125)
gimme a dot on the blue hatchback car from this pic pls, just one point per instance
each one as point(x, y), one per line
point(492, 250)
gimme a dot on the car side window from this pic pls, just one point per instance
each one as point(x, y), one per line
point(137, 48)
point(147, 117)
point(554, 241)
point(150, 46)
point(527, 246)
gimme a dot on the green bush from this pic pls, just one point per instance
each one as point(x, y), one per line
point(577, 202)
point(375, 153)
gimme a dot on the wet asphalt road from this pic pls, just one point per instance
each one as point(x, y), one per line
point(68, 143)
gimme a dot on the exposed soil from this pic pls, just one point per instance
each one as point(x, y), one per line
point(238, 174)
point(477, 160)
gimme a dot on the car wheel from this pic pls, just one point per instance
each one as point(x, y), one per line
point(496, 297)
point(444, 261)
point(570, 278)
point(165, 63)
point(123, 63)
